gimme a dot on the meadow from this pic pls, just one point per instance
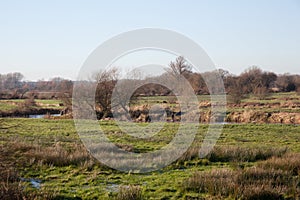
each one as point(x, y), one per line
point(45, 159)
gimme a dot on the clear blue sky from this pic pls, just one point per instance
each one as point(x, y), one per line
point(44, 39)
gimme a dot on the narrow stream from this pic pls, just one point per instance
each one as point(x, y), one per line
point(39, 116)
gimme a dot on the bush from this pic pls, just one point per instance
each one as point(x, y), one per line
point(261, 92)
point(30, 102)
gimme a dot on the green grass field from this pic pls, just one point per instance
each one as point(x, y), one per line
point(249, 161)
point(18, 104)
point(281, 98)
point(6, 106)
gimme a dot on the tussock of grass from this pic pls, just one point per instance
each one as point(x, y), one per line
point(58, 154)
point(234, 154)
point(265, 181)
point(243, 154)
point(129, 192)
point(262, 193)
point(216, 182)
point(290, 162)
point(10, 187)
point(190, 154)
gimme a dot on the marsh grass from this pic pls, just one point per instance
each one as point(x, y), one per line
point(129, 192)
point(243, 154)
point(7, 106)
point(234, 154)
point(51, 151)
point(290, 163)
point(265, 181)
point(10, 187)
point(59, 154)
point(17, 153)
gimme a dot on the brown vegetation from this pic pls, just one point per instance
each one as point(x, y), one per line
point(252, 81)
point(129, 192)
point(265, 181)
point(234, 154)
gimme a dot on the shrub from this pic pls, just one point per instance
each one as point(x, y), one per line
point(30, 102)
point(261, 92)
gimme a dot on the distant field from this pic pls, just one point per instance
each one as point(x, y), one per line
point(273, 97)
point(270, 98)
point(14, 104)
point(168, 99)
point(171, 100)
point(50, 151)
point(268, 104)
point(43, 101)
point(6, 106)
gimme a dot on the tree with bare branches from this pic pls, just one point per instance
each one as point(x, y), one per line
point(179, 67)
point(105, 81)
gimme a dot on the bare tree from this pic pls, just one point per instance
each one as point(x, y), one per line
point(105, 92)
point(261, 92)
point(125, 92)
point(250, 79)
point(106, 81)
point(177, 72)
point(286, 83)
point(179, 67)
point(13, 80)
point(30, 102)
point(65, 94)
point(234, 89)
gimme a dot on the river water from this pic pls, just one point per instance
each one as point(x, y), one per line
point(42, 116)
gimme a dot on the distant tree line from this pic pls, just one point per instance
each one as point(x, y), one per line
point(252, 81)
point(13, 86)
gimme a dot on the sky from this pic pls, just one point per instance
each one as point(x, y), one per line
point(45, 39)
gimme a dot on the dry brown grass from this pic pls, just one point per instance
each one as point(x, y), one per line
point(290, 162)
point(274, 178)
point(243, 154)
point(20, 153)
point(58, 154)
point(10, 187)
point(129, 192)
point(234, 154)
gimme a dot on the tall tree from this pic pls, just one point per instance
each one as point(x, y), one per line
point(179, 67)
point(106, 81)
